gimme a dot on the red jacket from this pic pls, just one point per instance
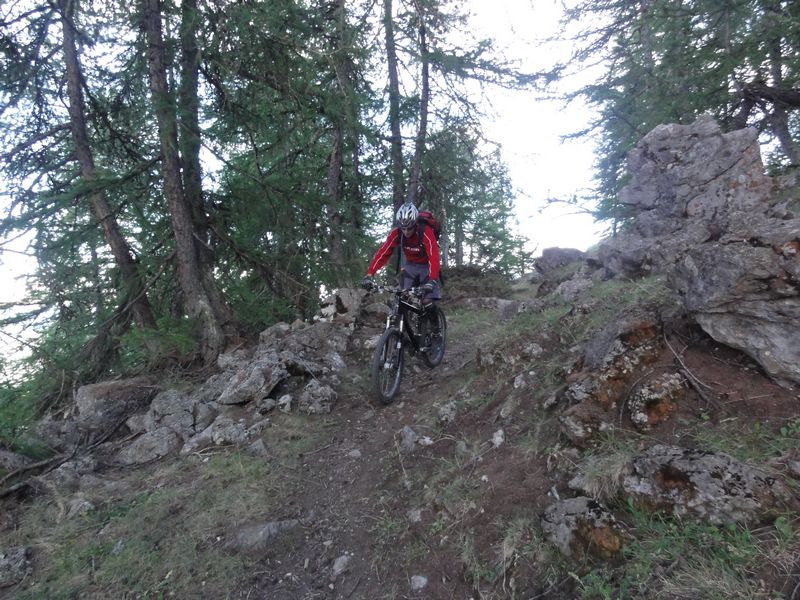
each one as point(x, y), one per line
point(415, 252)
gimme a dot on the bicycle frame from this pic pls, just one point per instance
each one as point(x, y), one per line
point(400, 314)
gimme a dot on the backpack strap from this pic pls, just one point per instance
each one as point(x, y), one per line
point(399, 251)
point(420, 234)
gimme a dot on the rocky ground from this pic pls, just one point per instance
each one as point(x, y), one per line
point(473, 484)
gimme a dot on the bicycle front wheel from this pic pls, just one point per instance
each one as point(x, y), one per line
point(437, 330)
point(387, 365)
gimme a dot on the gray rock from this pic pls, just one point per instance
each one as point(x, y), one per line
point(571, 289)
point(506, 309)
point(172, 409)
point(255, 539)
point(462, 450)
point(230, 361)
point(553, 259)
point(67, 477)
point(655, 400)
point(254, 381)
point(741, 296)
point(686, 181)
point(408, 439)
point(340, 566)
point(78, 506)
point(11, 461)
point(150, 446)
point(418, 583)
point(316, 398)
point(343, 305)
point(270, 336)
point(581, 527)
point(285, 403)
point(257, 448)
point(265, 405)
point(99, 409)
point(447, 411)
point(15, 565)
point(704, 486)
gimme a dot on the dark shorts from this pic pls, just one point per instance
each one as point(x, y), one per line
point(408, 278)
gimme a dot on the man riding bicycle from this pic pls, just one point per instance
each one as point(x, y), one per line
point(419, 255)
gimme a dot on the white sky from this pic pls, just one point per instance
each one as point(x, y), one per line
point(529, 130)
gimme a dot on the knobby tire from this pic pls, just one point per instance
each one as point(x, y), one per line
point(387, 365)
point(435, 355)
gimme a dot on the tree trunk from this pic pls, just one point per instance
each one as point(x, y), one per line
point(459, 241)
point(335, 241)
point(198, 306)
point(190, 144)
point(444, 242)
point(338, 116)
point(412, 195)
point(135, 295)
point(398, 193)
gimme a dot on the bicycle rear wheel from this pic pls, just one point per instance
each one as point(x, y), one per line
point(436, 328)
point(387, 365)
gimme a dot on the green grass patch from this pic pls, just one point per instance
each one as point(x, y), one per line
point(166, 541)
point(672, 559)
point(752, 443)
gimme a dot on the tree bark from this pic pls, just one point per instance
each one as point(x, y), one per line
point(198, 306)
point(190, 144)
point(134, 294)
point(398, 193)
point(335, 179)
point(334, 191)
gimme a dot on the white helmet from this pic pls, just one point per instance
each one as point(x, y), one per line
point(406, 215)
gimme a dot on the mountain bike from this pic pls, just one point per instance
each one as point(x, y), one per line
point(420, 328)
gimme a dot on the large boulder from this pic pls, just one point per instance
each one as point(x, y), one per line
point(100, 408)
point(687, 181)
point(254, 381)
point(553, 259)
point(747, 295)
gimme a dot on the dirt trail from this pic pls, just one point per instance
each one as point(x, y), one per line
point(353, 495)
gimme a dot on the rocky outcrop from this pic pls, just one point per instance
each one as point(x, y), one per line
point(704, 486)
point(655, 400)
point(703, 211)
point(686, 183)
point(613, 361)
point(11, 461)
point(299, 358)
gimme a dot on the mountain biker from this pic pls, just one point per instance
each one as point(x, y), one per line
point(420, 255)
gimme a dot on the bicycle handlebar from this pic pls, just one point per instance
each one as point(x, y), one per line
point(417, 292)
